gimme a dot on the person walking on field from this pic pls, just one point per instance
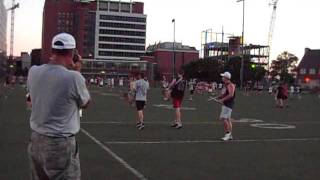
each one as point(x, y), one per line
point(281, 95)
point(57, 92)
point(178, 87)
point(141, 89)
point(227, 99)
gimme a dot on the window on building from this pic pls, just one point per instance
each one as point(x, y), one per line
point(120, 54)
point(125, 40)
point(312, 71)
point(114, 6)
point(124, 47)
point(122, 25)
point(125, 33)
point(143, 67)
point(303, 71)
point(103, 5)
point(122, 18)
point(125, 7)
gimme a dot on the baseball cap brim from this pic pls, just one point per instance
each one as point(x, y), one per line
point(225, 76)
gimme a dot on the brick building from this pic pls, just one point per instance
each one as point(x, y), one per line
point(161, 56)
point(308, 75)
point(110, 35)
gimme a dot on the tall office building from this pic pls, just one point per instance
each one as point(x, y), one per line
point(120, 31)
point(110, 35)
point(3, 27)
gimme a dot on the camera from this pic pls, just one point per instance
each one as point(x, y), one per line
point(75, 56)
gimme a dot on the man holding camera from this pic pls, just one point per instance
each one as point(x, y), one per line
point(57, 92)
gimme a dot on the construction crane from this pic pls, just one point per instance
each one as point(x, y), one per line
point(274, 3)
point(12, 9)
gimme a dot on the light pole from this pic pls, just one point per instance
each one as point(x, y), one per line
point(173, 48)
point(242, 44)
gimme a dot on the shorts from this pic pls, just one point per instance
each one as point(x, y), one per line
point(176, 102)
point(225, 112)
point(140, 105)
point(54, 158)
point(191, 92)
point(281, 96)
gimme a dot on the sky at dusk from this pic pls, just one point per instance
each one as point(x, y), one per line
point(296, 27)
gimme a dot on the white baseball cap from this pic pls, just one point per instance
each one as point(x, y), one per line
point(226, 75)
point(63, 41)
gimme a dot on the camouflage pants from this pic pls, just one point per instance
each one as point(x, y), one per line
point(54, 158)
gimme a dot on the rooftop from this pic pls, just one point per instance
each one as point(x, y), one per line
point(311, 59)
point(169, 47)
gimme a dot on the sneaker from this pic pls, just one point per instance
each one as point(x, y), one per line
point(179, 126)
point(227, 137)
point(141, 127)
point(138, 124)
point(174, 125)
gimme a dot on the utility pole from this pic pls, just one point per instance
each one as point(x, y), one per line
point(222, 42)
point(174, 48)
point(242, 44)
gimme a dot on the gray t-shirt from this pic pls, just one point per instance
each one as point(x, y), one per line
point(56, 95)
point(142, 87)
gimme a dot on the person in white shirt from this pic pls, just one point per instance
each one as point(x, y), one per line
point(121, 82)
point(141, 88)
point(57, 92)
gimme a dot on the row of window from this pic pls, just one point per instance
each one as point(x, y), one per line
point(120, 54)
point(122, 18)
point(120, 25)
point(112, 65)
point(62, 29)
point(66, 22)
point(125, 40)
point(312, 71)
point(114, 6)
point(123, 47)
point(125, 33)
point(65, 15)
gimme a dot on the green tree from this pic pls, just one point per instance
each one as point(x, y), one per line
point(251, 71)
point(204, 69)
point(284, 66)
point(210, 70)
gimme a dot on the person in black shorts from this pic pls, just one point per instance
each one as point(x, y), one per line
point(141, 88)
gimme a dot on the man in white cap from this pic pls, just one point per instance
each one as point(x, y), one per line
point(57, 92)
point(227, 101)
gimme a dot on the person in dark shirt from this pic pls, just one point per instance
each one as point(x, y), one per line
point(281, 95)
point(227, 100)
point(177, 87)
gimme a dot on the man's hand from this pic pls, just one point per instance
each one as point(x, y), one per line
point(77, 65)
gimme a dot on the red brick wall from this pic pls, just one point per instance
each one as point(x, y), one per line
point(138, 7)
point(164, 59)
point(50, 23)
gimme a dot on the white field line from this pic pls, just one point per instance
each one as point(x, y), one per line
point(216, 141)
point(196, 123)
point(115, 156)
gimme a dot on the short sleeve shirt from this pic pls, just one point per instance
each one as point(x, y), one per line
point(142, 87)
point(56, 95)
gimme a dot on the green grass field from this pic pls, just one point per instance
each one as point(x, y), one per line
point(111, 148)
